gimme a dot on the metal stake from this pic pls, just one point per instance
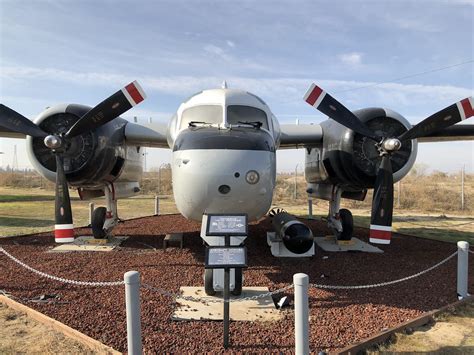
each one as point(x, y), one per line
point(157, 205)
point(463, 261)
point(132, 303)
point(310, 208)
point(301, 282)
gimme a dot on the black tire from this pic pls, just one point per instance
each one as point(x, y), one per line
point(208, 280)
point(98, 220)
point(238, 282)
point(347, 225)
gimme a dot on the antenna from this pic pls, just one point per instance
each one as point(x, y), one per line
point(224, 84)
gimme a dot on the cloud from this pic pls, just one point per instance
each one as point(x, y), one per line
point(353, 58)
point(230, 43)
point(288, 90)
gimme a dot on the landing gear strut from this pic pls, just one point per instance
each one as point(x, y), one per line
point(209, 282)
point(340, 220)
point(104, 219)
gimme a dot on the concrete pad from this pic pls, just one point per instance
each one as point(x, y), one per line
point(253, 310)
point(330, 244)
point(90, 244)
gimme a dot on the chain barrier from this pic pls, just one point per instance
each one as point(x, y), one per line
point(388, 282)
point(60, 279)
point(177, 296)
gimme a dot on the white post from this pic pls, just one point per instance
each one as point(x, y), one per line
point(91, 212)
point(157, 205)
point(132, 303)
point(310, 208)
point(463, 261)
point(301, 282)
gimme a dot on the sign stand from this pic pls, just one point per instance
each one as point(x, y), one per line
point(227, 257)
point(226, 299)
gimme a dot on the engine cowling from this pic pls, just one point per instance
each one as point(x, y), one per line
point(90, 159)
point(350, 160)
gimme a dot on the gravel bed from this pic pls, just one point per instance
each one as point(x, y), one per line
point(338, 318)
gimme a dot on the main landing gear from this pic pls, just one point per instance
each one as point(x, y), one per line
point(209, 282)
point(340, 220)
point(104, 219)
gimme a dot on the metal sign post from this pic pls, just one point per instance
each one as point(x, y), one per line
point(227, 257)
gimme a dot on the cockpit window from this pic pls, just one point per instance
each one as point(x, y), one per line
point(212, 114)
point(240, 113)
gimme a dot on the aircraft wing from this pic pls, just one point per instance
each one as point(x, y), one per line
point(147, 135)
point(300, 135)
point(6, 133)
point(459, 132)
point(144, 135)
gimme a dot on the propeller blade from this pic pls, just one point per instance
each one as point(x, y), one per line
point(63, 228)
point(320, 99)
point(16, 122)
point(382, 204)
point(445, 118)
point(107, 110)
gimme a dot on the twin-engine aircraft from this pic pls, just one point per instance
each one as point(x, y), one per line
point(224, 143)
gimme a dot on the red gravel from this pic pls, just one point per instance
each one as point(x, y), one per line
point(338, 318)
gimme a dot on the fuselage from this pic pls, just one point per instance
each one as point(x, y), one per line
point(224, 144)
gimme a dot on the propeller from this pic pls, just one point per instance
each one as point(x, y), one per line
point(382, 202)
point(107, 110)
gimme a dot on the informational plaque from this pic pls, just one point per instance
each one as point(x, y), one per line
point(226, 257)
point(226, 224)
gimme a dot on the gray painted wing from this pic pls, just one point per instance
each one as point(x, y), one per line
point(6, 133)
point(454, 133)
point(147, 135)
point(300, 136)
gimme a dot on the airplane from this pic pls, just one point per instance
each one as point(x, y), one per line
point(223, 144)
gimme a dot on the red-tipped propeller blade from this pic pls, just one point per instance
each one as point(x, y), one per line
point(445, 118)
point(320, 99)
point(382, 204)
point(107, 110)
point(18, 123)
point(63, 228)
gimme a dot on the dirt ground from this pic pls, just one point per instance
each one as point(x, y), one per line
point(452, 333)
point(20, 334)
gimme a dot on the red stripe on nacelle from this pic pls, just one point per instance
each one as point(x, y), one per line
point(134, 93)
point(63, 233)
point(468, 109)
point(378, 234)
point(313, 97)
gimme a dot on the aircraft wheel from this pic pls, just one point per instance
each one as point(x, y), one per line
point(208, 280)
point(347, 225)
point(98, 220)
point(238, 282)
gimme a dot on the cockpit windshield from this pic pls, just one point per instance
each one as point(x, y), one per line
point(211, 114)
point(236, 114)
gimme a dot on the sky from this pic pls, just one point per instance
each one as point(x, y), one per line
point(58, 51)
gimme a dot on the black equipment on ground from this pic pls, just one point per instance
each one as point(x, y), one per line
point(296, 236)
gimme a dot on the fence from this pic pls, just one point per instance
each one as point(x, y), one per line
point(300, 284)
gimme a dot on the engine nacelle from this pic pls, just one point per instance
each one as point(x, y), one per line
point(350, 160)
point(91, 159)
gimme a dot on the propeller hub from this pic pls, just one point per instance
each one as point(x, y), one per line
point(391, 145)
point(53, 142)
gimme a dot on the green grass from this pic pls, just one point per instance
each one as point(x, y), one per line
point(25, 213)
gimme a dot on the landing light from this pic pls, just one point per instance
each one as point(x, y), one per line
point(252, 177)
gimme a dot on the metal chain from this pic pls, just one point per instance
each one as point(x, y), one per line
point(177, 296)
point(470, 251)
point(388, 282)
point(60, 279)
